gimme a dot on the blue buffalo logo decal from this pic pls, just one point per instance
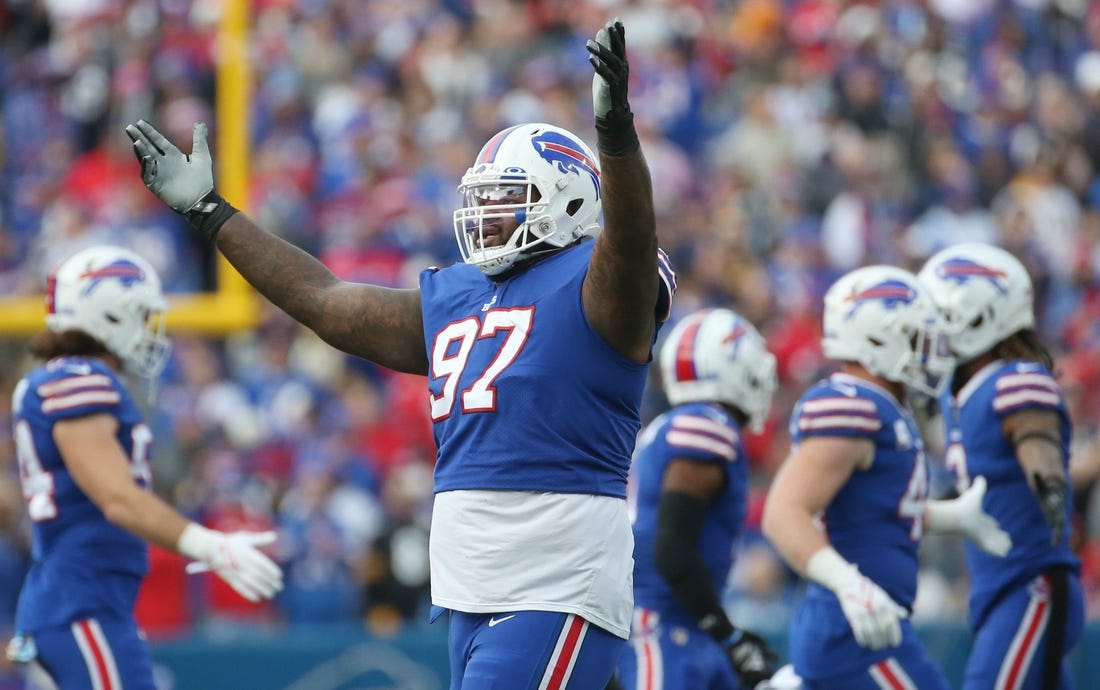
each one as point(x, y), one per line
point(566, 155)
point(128, 273)
point(962, 270)
point(890, 292)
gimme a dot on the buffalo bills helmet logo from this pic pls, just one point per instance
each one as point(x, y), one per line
point(961, 270)
point(126, 272)
point(566, 155)
point(891, 293)
point(733, 338)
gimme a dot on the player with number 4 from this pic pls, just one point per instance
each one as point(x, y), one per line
point(535, 351)
point(849, 505)
point(83, 454)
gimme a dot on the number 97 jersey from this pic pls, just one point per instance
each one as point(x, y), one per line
point(73, 543)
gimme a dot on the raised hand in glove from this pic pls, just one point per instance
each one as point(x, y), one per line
point(752, 657)
point(614, 121)
point(235, 558)
point(186, 183)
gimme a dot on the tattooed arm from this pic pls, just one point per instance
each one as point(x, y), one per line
point(375, 323)
point(380, 324)
point(620, 290)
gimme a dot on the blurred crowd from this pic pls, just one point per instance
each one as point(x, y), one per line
point(789, 141)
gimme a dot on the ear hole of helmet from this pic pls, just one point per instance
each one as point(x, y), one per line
point(574, 206)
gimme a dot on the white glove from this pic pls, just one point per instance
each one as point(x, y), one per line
point(784, 679)
point(875, 618)
point(180, 181)
point(964, 515)
point(234, 558)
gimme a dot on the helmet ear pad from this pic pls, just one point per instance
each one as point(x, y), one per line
point(563, 206)
point(115, 296)
point(984, 294)
point(715, 355)
point(881, 318)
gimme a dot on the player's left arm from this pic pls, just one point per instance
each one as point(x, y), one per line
point(620, 291)
point(1036, 435)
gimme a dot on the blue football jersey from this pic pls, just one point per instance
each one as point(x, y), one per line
point(876, 519)
point(524, 394)
point(704, 432)
point(977, 446)
point(75, 549)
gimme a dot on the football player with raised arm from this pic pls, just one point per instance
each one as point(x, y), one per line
point(83, 454)
point(689, 485)
point(535, 351)
point(849, 505)
point(1006, 420)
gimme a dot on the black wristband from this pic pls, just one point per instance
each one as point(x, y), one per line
point(615, 133)
point(209, 214)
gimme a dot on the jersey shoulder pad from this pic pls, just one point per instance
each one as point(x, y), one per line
point(666, 287)
point(77, 386)
point(833, 408)
point(701, 431)
point(1022, 385)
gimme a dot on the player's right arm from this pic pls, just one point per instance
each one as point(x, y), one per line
point(98, 464)
point(804, 486)
point(380, 324)
point(688, 488)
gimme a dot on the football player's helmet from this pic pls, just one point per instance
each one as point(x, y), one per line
point(983, 292)
point(113, 295)
point(881, 317)
point(541, 177)
point(714, 354)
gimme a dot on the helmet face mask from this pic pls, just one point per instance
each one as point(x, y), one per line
point(714, 355)
point(561, 203)
point(115, 296)
point(984, 294)
point(880, 317)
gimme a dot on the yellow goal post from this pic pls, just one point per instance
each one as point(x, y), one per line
point(232, 306)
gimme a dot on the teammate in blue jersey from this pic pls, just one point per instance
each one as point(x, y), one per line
point(83, 454)
point(535, 351)
point(1006, 420)
point(689, 481)
point(849, 505)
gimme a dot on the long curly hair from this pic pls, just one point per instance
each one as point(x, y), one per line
point(1024, 344)
point(71, 343)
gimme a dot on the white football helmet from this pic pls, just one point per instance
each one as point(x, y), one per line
point(113, 295)
point(542, 177)
point(881, 317)
point(714, 354)
point(984, 294)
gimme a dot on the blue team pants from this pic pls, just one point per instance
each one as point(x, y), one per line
point(529, 650)
point(1013, 641)
point(662, 656)
point(96, 654)
point(827, 657)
